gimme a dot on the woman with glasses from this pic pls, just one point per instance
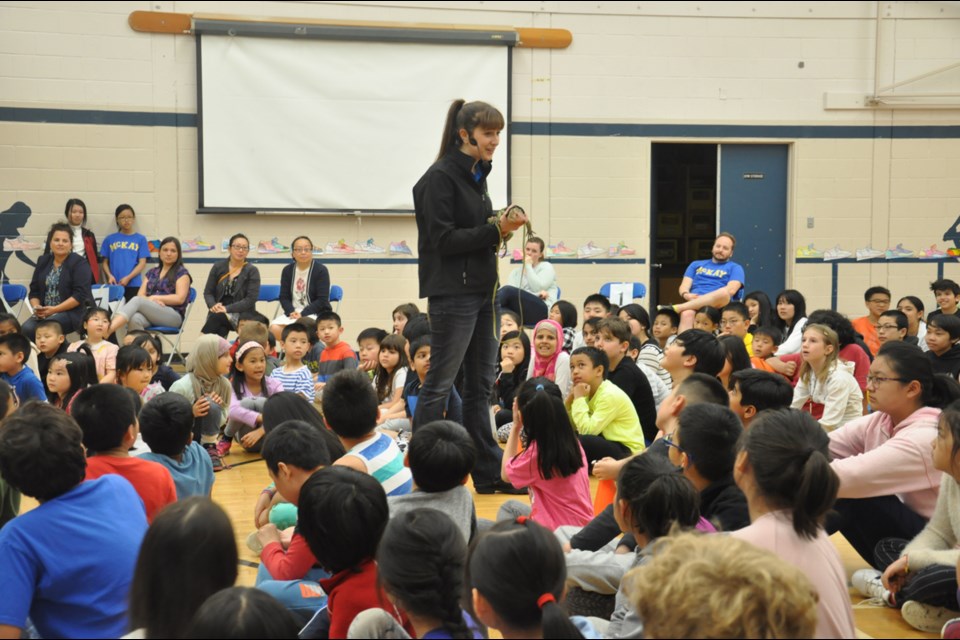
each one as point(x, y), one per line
point(232, 288)
point(888, 484)
point(162, 297)
point(304, 287)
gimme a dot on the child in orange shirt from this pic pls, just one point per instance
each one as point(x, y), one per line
point(765, 342)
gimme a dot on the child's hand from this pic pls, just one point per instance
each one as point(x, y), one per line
point(367, 365)
point(581, 390)
point(606, 468)
point(543, 295)
point(268, 533)
point(216, 398)
point(252, 438)
point(895, 574)
point(507, 365)
point(286, 536)
point(111, 280)
point(201, 407)
point(317, 386)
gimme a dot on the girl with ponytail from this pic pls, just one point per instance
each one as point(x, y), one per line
point(457, 246)
point(421, 561)
point(783, 468)
point(888, 484)
point(553, 465)
point(516, 575)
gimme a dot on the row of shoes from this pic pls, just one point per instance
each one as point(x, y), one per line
point(589, 250)
point(869, 253)
point(274, 246)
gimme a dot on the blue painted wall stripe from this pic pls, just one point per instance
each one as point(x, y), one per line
point(577, 129)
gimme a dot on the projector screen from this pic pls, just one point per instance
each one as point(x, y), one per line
point(326, 125)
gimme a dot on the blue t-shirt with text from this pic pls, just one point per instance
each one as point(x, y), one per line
point(708, 275)
point(124, 252)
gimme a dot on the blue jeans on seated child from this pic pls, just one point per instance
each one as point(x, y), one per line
point(302, 597)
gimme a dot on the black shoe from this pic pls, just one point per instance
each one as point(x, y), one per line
point(499, 486)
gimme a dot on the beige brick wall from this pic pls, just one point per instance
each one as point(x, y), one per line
point(668, 62)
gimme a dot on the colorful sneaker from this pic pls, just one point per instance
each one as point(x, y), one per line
point(253, 543)
point(953, 251)
point(926, 617)
point(195, 245)
point(561, 250)
point(951, 630)
point(933, 253)
point(836, 253)
point(215, 457)
point(589, 250)
point(898, 252)
point(869, 253)
point(400, 248)
point(809, 251)
point(223, 446)
point(19, 244)
point(870, 585)
point(266, 246)
point(279, 246)
point(153, 246)
point(621, 249)
point(317, 251)
point(518, 255)
point(367, 247)
point(339, 247)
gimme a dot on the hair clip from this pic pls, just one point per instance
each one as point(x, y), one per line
point(539, 387)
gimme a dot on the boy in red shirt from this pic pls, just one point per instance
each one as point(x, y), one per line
point(107, 415)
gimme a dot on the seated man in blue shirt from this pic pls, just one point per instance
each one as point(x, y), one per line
point(66, 565)
point(710, 283)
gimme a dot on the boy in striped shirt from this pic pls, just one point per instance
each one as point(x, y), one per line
point(294, 375)
point(350, 409)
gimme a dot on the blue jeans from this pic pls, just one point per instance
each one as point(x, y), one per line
point(528, 306)
point(462, 333)
point(66, 321)
point(299, 596)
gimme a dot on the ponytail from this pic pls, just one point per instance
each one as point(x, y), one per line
point(469, 116)
point(420, 561)
point(789, 454)
point(658, 496)
point(519, 567)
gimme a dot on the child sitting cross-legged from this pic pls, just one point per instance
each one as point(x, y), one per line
point(350, 409)
point(294, 375)
point(337, 355)
point(69, 374)
point(293, 451)
point(135, 371)
point(166, 424)
point(96, 328)
point(14, 349)
point(343, 514)
point(441, 456)
point(107, 414)
point(251, 389)
point(553, 465)
point(67, 565)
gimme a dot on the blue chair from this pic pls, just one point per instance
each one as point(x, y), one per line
point(15, 299)
point(639, 289)
point(165, 332)
point(336, 295)
point(270, 293)
point(108, 296)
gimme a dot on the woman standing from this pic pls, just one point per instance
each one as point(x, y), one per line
point(162, 297)
point(83, 242)
point(531, 288)
point(304, 287)
point(60, 286)
point(458, 274)
point(232, 288)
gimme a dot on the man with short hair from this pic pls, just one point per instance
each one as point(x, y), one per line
point(710, 283)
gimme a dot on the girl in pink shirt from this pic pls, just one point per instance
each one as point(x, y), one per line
point(783, 468)
point(553, 465)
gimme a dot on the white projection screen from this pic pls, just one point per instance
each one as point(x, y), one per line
point(338, 126)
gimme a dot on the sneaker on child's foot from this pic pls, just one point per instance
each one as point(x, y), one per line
point(223, 446)
point(870, 585)
point(215, 457)
point(253, 543)
point(951, 630)
point(926, 617)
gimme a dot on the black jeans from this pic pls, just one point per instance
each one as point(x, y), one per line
point(935, 584)
point(462, 333)
point(866, 521)
point(217, 323)
point(529, 307)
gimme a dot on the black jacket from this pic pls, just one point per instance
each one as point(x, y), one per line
point(318, 289)
point(75, 281)
point(246, 287)
point(723, 504)
point(457, 245)
point(634, 383)
point(948, 363)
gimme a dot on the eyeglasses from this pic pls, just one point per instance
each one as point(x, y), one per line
point(730, 323)
point(887, 326)
point(302, 249)
point(879, 301)
point(240, 247)
point(669, 441)
point(875, 380)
